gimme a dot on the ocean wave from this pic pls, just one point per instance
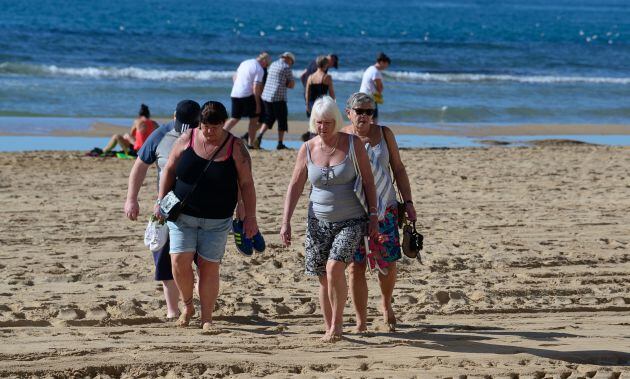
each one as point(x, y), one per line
point(344, 76)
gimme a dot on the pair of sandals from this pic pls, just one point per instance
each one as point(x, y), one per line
point(244, 245)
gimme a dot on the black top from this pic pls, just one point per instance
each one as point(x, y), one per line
point(216, 194)
point(318, 90)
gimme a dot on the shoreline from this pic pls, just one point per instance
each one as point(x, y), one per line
point(297, 127)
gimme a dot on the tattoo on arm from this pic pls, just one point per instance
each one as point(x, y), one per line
point(245, 158)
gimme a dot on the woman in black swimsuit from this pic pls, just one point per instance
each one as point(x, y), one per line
point(318, 84)
point(206, 218)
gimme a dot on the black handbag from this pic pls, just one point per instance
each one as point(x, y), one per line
point(170, 206)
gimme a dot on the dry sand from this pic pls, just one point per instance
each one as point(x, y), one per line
point(526, 275)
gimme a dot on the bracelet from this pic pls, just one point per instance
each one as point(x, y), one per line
point(372, 208)
point(158, 201)
point(373, 214)
point(409, 202)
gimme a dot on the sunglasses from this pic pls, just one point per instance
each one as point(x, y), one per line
point(367, 112)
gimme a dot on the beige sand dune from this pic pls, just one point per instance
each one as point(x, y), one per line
point(526, 274)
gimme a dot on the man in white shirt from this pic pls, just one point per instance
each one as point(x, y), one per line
point(246, 91)
point(372, 81)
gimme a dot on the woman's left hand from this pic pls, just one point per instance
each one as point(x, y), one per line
point(373, 228)
point(411, 212)
point(250, 226)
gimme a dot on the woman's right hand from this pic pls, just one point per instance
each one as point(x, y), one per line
point(157, 212)
point(285, 234)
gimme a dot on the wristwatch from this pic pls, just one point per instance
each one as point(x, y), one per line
point(158, 201)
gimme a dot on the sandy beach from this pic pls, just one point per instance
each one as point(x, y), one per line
point(526, 274)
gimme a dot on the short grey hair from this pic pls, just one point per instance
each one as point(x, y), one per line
point(325, 108)
point(359, 98)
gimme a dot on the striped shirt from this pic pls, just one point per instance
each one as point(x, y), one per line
point(279, 75)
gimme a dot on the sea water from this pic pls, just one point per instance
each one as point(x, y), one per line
point(453, 62)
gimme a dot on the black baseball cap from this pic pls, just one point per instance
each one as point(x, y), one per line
point(187, 115)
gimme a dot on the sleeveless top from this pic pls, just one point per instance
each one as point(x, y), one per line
point(141, 137)
point(318, 90)
point(216, 193)
point(332, 197)
point(379, 161)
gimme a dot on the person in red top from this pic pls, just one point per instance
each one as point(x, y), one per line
point(131, 142)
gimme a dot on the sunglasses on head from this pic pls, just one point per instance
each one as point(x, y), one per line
point(367, 112)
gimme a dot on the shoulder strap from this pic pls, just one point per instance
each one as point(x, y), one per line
point(231, 146)
point(390, 166)
point(192, 139)
point(308, 152)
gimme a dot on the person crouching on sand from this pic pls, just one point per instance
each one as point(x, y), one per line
point(336, 218)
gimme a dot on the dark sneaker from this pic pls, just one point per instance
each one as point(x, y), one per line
point(258, 242)
point(245, 136)
point(243, 244)
point(282, 146)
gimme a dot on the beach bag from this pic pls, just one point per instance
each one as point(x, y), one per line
point(156, 234)
point(358, 183)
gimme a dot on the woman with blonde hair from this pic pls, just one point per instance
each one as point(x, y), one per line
point(336, 219)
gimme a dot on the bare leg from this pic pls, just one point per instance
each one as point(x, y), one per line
point(359, 293)
point(387, 283)
point(184, 277)
point(208, 288)
point(324, 302)
point(338, 294)
point(251, 130)
point(230, 123)
point(112, 142)
point(171, 295)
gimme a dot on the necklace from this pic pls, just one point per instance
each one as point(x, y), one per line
point(206, 150)
point(332, 151)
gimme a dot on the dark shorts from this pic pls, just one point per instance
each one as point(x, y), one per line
point(276, 111)
point(162, 261)
point(244, 107)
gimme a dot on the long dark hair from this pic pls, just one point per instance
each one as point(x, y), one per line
point(144, 111)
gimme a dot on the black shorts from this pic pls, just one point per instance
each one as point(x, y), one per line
point(162, 260)
point(276, 111)
point(244, 107)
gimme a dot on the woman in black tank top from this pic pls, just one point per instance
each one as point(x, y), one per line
point(206, 218)
point(318, 84)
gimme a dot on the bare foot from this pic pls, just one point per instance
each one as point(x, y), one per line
point(331, 338)
point(210, 329)
point(187, 314)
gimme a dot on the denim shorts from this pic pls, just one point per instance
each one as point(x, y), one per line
point(206, 236)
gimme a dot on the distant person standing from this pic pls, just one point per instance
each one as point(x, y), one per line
point(318, 84)
point(372, 82)
point(246, 91)
point(274, 97)
point(333, 61)
point(156, 150)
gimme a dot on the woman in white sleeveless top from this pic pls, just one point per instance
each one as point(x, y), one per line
point(336, 218)
point(382, 149)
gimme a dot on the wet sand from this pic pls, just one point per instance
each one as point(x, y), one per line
point(526, 274)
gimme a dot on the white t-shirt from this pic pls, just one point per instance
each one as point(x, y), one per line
point(248, 73)
point(369, 76)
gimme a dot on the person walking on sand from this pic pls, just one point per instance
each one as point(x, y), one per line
point(208, 167)
point(336, 219)
point(156, 149)
point(131, 142)
point(382, 149)
point(274, 97)
point(246, 92)
point(372, 81)
point(318, 84)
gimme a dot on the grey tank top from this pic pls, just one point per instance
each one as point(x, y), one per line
point(382, 155)
point(332, 196)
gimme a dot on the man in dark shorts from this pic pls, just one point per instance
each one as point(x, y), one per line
point(156, 149)
point(274, 97)
point(246, 91)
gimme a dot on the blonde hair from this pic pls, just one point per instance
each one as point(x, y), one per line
point(325, 108)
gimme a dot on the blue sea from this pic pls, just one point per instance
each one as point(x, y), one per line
point(453, 62)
